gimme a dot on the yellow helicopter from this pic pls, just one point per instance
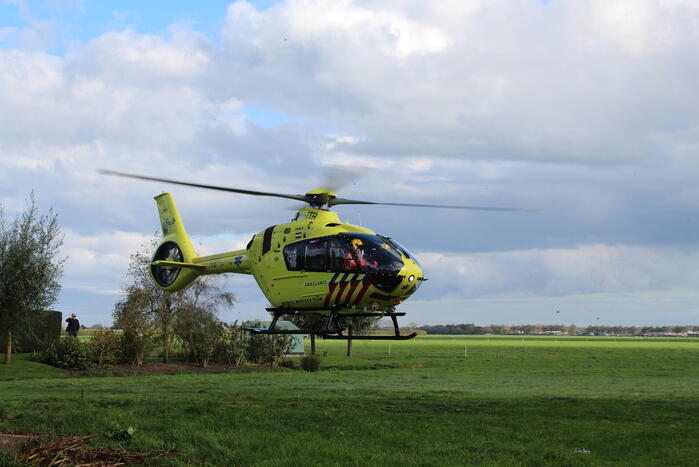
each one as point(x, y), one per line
point(315, 264)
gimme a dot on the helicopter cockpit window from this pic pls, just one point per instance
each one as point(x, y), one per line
point(295, 255)
point(374, 254)
point(400, 248)
point(361, 253)
point(315, 255)
point(340, 255)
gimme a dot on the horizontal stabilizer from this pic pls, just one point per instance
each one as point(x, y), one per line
point(177, 264)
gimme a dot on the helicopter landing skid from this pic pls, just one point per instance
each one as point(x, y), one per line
point(331, 328)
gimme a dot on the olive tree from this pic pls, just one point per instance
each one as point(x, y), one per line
point(30, 269)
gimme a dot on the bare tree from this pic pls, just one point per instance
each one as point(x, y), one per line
point(161, 308)
point(29, 269)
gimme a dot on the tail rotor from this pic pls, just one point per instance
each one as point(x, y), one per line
point(164, 275)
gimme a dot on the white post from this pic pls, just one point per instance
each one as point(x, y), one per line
point(465, 351)
point(389, 349)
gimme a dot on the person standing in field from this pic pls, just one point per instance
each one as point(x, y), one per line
point(73, 325)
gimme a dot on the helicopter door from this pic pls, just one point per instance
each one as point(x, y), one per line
point(327, 254)
point(315, 255)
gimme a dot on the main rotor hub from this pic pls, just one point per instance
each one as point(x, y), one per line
point(320, 198)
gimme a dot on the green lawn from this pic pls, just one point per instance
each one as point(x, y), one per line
point(23, 368)
point(507, 402)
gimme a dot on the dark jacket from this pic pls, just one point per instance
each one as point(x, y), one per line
point(73, 324)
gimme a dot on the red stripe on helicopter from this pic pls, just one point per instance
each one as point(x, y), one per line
point(366, 285)
point(343, 284)
point(354, 283)
point(331, 288)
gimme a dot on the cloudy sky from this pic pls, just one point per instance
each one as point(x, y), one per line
point(586, 110)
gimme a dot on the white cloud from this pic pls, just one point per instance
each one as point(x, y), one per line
point(211, 245)
point(143, 58)
point(344, 23)
point(658, 307)
point(554, 272)
point(106, 253)
point(644, 27)
point(525, 85)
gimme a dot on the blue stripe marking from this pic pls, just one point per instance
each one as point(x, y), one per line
point(342, 281)
point(332, 281)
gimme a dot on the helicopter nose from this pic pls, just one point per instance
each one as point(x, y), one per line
point(412, 278)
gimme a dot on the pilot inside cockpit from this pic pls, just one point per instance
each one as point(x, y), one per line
point(358, 248)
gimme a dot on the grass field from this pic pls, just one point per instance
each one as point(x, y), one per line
point(436, 400)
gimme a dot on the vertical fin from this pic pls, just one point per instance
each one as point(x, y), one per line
point(173, 228)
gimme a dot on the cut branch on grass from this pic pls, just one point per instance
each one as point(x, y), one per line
point(75, 450)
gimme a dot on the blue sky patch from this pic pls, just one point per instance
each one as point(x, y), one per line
point(266, 118)
point(68, 22)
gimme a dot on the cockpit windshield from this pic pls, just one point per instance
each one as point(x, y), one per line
point(400, 248)
point(373, 254)
point(345, 252)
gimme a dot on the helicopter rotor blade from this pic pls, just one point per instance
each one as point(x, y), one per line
point(303, 198)
point(312, 200)
point(337, 201)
